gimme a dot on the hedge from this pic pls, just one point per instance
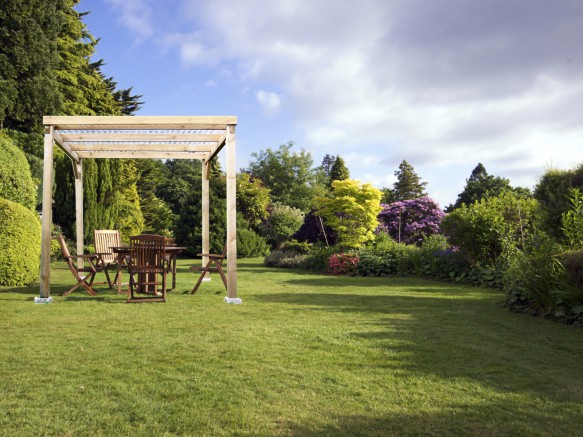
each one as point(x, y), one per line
point(20, 240)
point(16, 182)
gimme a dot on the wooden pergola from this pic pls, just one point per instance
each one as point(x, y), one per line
point(140, 137)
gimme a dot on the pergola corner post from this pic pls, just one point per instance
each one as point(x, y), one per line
point(47, 214)
point(231, 215)
point(78, 169)
point(205, 212)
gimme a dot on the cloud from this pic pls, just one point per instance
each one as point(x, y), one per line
point(444, 84)
point(136, 15)
point(270, 102)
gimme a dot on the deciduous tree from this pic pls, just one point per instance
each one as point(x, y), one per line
point(352, 211)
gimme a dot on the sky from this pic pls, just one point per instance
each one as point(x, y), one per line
point(442, 84)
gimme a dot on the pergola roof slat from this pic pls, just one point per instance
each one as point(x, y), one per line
point(162, 148)
point(143, 154)
point(139, 122)
point(131, 136)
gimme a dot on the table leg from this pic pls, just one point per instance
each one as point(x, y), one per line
point(119, 270)
point(173, 261)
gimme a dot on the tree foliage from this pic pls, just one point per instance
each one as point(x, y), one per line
point(288, 175)
point(411, 221)
point(408, 184)
point(283, 222)
point(552, 191)
point(484, 230)
point(339, 171)
point(572, 220)
point(28, 58)
point(480, 185)
point(352, 211)
point(253, 198)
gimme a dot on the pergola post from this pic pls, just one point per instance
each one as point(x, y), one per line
point(205, 211)
point(47, 212)
point(78, 168)
point(231, 213)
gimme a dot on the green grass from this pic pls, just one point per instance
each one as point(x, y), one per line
point(306, 354)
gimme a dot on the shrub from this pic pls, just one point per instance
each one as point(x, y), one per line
point(16, 182)
point(250, 244)
point(343, 264)
point(534, 276)
point(284, 258)
point(411, 221)
point(284, 221)
point(301, 247)
point(318, 257)
point(484, 230)
point(572, 220)
point(20, 240)
point(573, 264)
point(314, 230)
point(376, 262)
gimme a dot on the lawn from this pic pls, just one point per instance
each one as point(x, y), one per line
point(306, 354)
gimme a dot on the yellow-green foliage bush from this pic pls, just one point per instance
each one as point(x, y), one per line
point(20, 237)
point(16, 182)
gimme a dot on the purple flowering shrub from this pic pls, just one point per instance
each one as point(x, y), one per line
point(410, 221)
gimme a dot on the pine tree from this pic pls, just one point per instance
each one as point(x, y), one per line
point(28, 58)
point(339, 171)
point(481, 185)
point(408, 185)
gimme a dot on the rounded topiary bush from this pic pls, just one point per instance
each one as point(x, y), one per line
point(20, 237)
point(16, 182)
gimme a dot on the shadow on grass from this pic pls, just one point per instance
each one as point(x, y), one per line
point(507, 418)
point(454, 337)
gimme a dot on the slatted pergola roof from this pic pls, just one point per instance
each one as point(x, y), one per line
point(156, 137)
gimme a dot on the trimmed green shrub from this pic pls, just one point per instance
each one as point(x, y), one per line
point(16, 182)
point(20, 239)
point(286, 259)
point(250, 244)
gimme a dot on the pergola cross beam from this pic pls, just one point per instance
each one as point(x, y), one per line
point(157, 137)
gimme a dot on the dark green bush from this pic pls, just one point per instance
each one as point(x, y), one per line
point(20, 239)
point(16, 182)
point(250, 244)
point(376, 262)
point(284, 258)
point(318, 257)
point(573, 263)
point(302, 247)
point(535, 276)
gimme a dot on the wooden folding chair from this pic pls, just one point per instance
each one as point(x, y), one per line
point(95, 266)
point(147, 268)
point(214, 265)
point(104, 241)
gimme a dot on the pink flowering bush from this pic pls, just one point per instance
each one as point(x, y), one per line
point(411, 221)
point(343, 264)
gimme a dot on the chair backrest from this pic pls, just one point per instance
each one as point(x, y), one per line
point(67, 254)
point(147, 250)
point(104, 241)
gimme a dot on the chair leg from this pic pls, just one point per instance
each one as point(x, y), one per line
point(108, 278)
point(82, 281)
point(202, 275)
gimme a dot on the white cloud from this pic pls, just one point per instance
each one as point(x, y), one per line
point(136, 15)
point(444, 84)
point(270, 102)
